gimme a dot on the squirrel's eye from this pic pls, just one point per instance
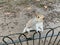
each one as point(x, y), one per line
point(38, 17)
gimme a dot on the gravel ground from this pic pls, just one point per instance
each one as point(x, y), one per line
point(14, 14)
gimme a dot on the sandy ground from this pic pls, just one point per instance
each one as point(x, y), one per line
point(14, 16)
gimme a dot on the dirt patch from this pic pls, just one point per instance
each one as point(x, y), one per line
point(14, 15)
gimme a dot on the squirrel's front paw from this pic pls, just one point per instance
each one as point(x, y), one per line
point(39, 30)
point(25, 31)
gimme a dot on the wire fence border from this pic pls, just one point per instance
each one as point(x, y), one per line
point(32, 38)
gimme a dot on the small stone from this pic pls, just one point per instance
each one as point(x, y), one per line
point(11, 32)
point(45, 7)
point(16, 23)
point(57, 21)
point(6, 24)
point(12, 27)
point(7, 13)
point(29, 8)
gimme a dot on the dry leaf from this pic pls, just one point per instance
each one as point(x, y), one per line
point(45, 6)
point(7, 13)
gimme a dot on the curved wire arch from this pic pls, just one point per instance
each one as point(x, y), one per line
point(20, 39)
point(8, 38)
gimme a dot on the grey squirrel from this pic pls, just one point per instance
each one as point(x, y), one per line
point(35, 23)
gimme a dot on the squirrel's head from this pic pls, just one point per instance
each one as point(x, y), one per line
point(40, 17)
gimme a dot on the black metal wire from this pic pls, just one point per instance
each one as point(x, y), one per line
point(8, 38)
point(39, 37)
point(56, 38)
point(47, 35)
point(20, 39)
point(51, 37)
point(32, 38)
